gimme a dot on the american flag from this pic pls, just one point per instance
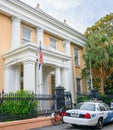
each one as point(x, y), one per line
point(41, 60)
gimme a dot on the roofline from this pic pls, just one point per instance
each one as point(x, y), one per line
point(56, 25)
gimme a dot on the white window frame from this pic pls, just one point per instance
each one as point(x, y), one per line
point(53, 42)
point(77, 56)
point(26, 38)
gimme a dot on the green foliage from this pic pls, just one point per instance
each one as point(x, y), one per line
point(100, 55)
point(82, 99)
point(106, 98)
point(102, 26)
point(93, 46)
point(19, 105)
point(101, 97)
point(109, 84)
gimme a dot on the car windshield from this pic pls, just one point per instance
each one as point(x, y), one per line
point(85, 106)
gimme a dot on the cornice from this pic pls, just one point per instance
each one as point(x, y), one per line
point(41, 19)
point(23, 48)
point(33, 48)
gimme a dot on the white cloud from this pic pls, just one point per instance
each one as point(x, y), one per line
point(63, 4)
point(79, 14)
point(56, 4)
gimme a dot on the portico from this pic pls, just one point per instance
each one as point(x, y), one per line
point(35, 79)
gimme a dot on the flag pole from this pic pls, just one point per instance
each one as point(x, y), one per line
point(40, 56)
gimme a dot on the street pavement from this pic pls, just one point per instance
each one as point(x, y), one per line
point(65, 126)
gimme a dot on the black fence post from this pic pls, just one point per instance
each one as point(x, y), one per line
point(68, 100)
point(63, 99)
point(60, 100)
point(1, 103)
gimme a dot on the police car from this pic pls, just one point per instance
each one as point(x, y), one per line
point(89, 114)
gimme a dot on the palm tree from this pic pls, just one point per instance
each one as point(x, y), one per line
point(99, 51)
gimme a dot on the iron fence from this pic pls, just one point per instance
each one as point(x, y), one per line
point(16, 106)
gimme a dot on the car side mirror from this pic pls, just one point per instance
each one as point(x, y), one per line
point(111, 108)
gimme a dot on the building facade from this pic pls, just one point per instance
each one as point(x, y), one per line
point(22, 29)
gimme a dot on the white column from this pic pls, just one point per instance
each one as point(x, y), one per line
point(70, 72)
point(40, 36)
point(15, 32)
point(40, 79)
point(40, 39)
point(65, 78)
point(17, 78)
point(9, 79)
point(46, 81)
point(57, 77)
point(29, 76)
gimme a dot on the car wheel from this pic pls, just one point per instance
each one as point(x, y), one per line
point(99, 123)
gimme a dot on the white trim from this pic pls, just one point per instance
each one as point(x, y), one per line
point(28, 52)
point(24, 39)
point(78, 55)
point(56, 42)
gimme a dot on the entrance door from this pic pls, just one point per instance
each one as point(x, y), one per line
point(52, 84)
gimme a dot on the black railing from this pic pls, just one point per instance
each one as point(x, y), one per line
point(17, 106)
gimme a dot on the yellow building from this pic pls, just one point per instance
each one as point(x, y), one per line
point(22, 29)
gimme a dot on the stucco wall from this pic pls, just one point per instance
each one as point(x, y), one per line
point(5, 43)
point(60, 45)
point(77, 69)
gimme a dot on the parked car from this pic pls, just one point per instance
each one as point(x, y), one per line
point(91, 113)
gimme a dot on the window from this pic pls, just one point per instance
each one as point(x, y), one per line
point(26, 34)
point(106, 107)
point(53, 42)
point(85, 106)
point(102, 108)
point(77, 57)
point(78, 84)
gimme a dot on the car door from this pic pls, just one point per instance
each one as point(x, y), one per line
point(109, 113)
point(103, 111)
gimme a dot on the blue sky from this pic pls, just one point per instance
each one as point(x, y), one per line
point(79, 14)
